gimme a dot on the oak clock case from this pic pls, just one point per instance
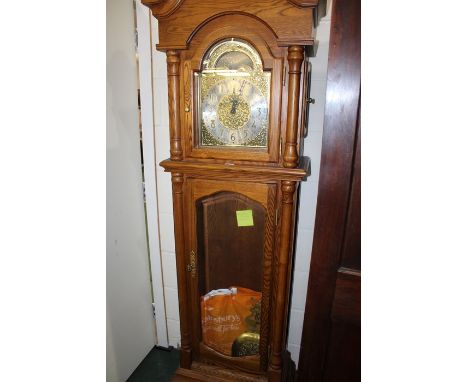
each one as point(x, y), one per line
point(237, 107)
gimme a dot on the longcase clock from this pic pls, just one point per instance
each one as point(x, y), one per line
point(238, 93)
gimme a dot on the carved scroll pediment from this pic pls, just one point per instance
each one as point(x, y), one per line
point(292, 21)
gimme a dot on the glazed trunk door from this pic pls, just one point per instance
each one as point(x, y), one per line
point(230, 246)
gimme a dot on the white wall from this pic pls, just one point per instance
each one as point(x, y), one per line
point(312, 148)
point(166, 220)
point(130, 326)
point(309, 188)
point(145, 51)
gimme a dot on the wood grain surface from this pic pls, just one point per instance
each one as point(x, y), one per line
point(290, 21)
point(330, 348)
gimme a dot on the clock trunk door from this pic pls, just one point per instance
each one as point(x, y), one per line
point(231, 241)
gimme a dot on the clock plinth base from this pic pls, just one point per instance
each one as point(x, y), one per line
point(205, 372)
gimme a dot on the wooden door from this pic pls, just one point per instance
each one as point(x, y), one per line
point(330, 349)
point(225, 254)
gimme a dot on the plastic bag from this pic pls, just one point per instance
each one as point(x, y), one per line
point(227, 314)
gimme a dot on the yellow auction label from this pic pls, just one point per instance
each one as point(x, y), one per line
point(244, 218)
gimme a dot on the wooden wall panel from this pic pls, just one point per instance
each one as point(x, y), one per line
point(352, 243)
point(330, 349)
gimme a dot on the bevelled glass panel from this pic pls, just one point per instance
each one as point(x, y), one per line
point(230, 235)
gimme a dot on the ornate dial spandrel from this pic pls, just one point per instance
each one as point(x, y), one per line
point(233, 97)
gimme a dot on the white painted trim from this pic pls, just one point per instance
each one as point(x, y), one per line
point(143, 16)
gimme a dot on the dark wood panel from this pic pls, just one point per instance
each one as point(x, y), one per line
point(331, 333)
point(344, 353)
point(347, 301)
point(352, 242)
point(230, 255)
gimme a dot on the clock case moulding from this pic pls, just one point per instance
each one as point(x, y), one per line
point(282, 32)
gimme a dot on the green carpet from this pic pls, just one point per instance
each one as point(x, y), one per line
point(158, 366)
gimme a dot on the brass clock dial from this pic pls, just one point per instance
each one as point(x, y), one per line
point(233, 97)
point(233, 111)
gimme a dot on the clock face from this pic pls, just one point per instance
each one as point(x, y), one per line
point(233, 105)
point(234, 111)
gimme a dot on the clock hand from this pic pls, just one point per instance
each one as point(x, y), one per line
point(235, 102)
point(242, 87)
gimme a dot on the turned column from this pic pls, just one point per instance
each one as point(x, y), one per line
point(173, 79)
point(288, 189)
point(295, 58)
point(185, 339)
